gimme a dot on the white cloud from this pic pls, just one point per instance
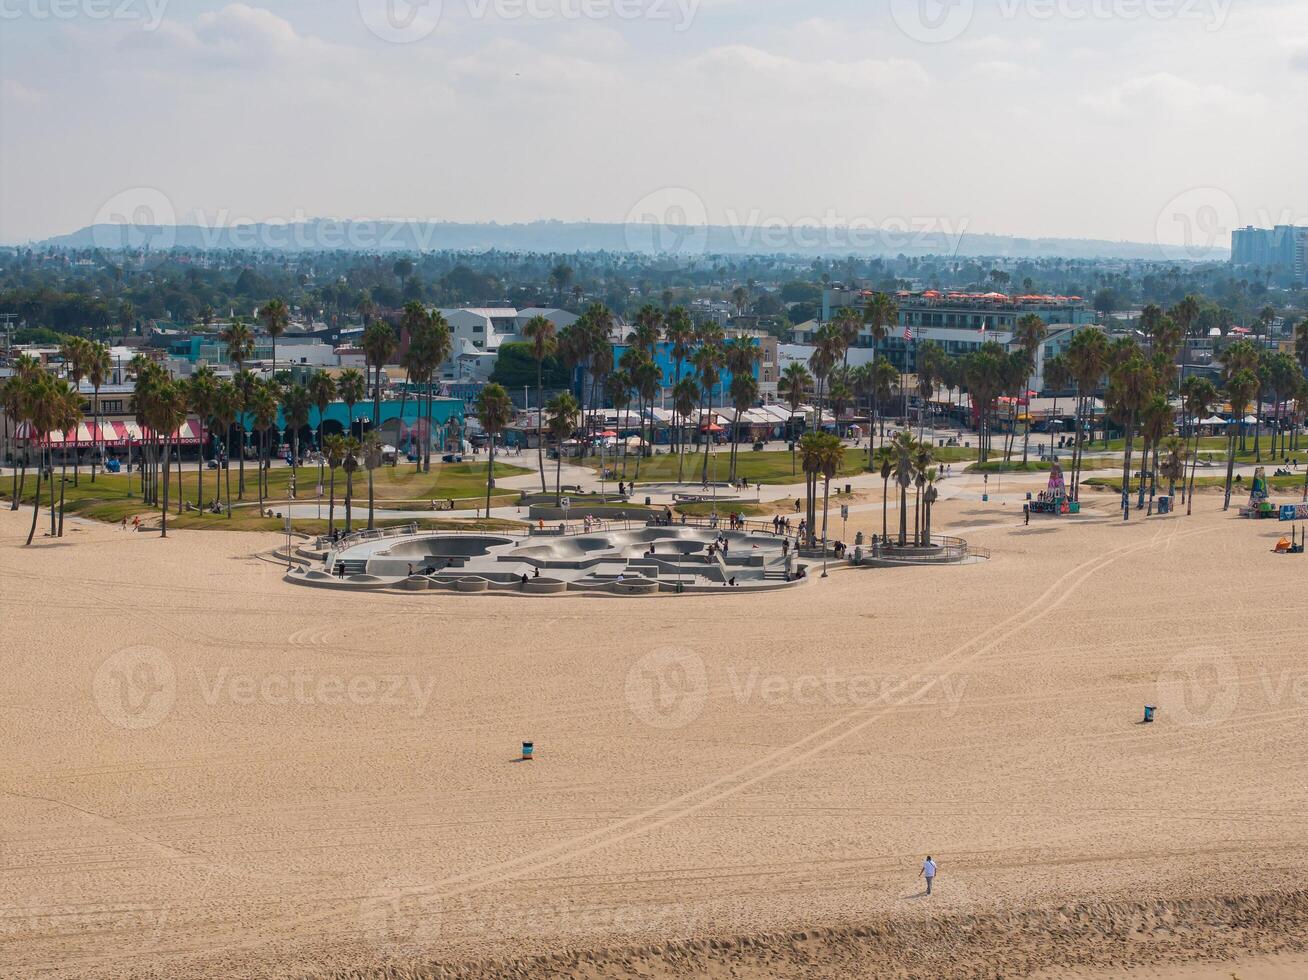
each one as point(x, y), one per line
point(1165, 93)
point(763, 71)
point(235, 36)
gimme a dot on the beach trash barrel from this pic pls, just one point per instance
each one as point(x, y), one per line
point(528, 749)
point(1149, 714)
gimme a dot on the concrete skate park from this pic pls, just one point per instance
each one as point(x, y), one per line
point(632, 560)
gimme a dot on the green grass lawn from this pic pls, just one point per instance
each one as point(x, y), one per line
point(108, 499)
point(1039, 466)
point(1281, 483)
point(768, 468)
point(705, 508)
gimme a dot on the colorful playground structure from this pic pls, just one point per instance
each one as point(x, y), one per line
point(1053, 499)
point(1264, 509)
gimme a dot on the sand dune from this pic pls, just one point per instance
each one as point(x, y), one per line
point(209, 772)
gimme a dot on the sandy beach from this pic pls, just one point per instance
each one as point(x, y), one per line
point(208, 772)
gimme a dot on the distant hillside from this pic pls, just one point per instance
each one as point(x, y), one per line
point(568, 237)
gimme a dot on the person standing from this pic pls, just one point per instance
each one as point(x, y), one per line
point(1026, 512)
point(928, 872)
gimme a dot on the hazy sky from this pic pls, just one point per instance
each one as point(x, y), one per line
point(1117, 119)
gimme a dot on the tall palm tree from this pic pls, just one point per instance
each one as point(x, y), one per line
point(793, 388)
point(334, 449)
point(276, 317)
point(379, 343)
point(740, 355)
point(245, 383)
point(707, 360)
point(1155, 425)
point(263, 406)
point(40, 402)
point(811, 452)
point(350, 464)
point(99, 367)
point(1087, 358)
point(169, 408)
point(542, 336)
point(1130, 385)
point(1058, 375)
point(494, 412)
point(1198, 396)
point(226, 411)
point(880, 314)
point(1029, 334)
point(200, 391)
point(685, 396)
point(561, 420)
point(679, 332)
point(352, 387)
point(322, 392)
point(74, 351)
point(436, 348)
point(296, 405)
point(1240, 388)
point(831, 455)
point(884, 460)
point(1175, 452)
point(904, 449)
point(372, 458)
point(68, 415)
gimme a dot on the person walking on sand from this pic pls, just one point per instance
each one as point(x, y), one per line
point(928, 872)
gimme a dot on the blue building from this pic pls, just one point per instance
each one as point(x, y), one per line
point(765, 368)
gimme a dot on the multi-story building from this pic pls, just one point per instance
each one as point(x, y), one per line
point(766, 369)
point(1280, 249)
point(959, 322)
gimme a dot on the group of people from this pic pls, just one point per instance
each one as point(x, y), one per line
point(781, 525)
point(136, 523)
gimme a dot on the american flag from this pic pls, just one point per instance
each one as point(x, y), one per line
point(908, 334)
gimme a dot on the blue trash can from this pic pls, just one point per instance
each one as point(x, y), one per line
point(527, 749)
point(1164, 505)
point(1149, 714)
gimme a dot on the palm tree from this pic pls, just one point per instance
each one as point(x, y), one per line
point(885, 378)
point(169, 407)
point(708, 362)
point(372, 457)
point(1087, 358)
point(494, 412)
point(41, 413)
point(1198, 396)
point(561, 421)
point(1130, 384)
point(67, 415)
point(99, 366)
point(74, 353)
point(436, 346)
point(263, 406)
point(1058, 375)
point(740, 355)
point(322, 392)
point(884, 460)
point(831, 455)
point(685, 396)
point(296, 404)
point(276, 317)
point(226, 411)
point(14, 399)
point(828, 349)
point(1029, 335)
point(239, 341)
point(352, 388)
point(1175, 453)
point(679, 332)
point(1155, 424)
point(811, 451)
point(541, 334)
point(334, 449)
point(793, 388)
point(379, 342)
point(904, 449)
point(879, 315)
point(1240, 388)
point(200, 390)
point(744, 393)
point(351, 448)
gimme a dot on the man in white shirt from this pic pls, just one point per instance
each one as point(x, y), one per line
point(928, 872)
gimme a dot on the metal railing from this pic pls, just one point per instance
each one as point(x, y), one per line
point(357, 537)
